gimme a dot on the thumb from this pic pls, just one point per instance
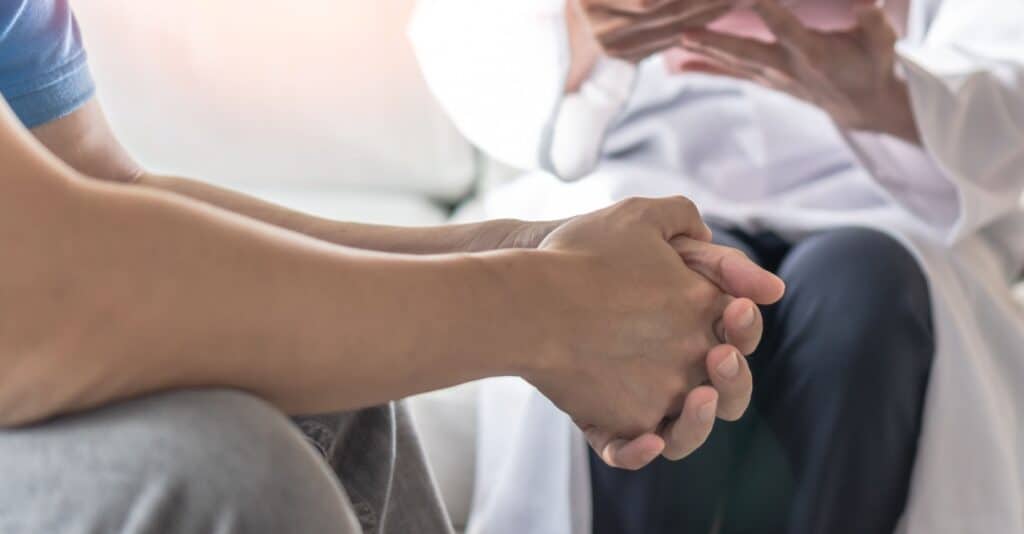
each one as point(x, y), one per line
point(731, 270)
point(630, 454)
point(879, 38)
point(876, 27)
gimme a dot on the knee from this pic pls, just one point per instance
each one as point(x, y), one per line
point(187, 462)
point(866, 294)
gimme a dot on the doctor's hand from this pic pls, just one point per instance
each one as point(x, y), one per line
point(850, 74)
point(635, 29)
point(636, 333)
point(632, 29)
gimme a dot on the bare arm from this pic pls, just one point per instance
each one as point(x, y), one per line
point(84, 140)
point(124, 290)
point(110, 291)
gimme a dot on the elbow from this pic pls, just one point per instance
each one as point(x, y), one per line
point(24, 399)
point(39, 376)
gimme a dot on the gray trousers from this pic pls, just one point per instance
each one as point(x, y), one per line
point(221, 462)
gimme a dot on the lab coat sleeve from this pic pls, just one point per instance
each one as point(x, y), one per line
point(498, 68)
point(966, 82)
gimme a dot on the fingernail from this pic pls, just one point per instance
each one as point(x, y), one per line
point(730, 367)
point(748, 318)
point(706, 413)
point(608, 453)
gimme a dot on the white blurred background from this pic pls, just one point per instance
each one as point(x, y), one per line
point(317, 103)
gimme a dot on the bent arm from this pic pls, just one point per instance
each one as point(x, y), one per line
point(85, 141)
point(110, 291)
point(965, 74)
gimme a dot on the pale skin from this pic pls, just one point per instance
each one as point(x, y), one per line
point(128, 283)
point(836, 54)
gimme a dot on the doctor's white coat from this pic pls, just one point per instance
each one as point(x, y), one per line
point(762, 160)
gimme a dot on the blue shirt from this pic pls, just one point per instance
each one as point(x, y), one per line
point(43, 70)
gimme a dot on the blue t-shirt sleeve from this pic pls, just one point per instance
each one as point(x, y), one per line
point(43, 69)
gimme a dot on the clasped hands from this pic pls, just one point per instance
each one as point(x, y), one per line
point(646, 338)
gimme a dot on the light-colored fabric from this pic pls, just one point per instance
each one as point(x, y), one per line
point(194, 461)
point(217, 461)
point(322, 93)
point(508, 44)
point(377, 456)
point(446, 423)
point(762, 160)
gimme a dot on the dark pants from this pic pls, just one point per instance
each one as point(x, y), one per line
point(828, 444)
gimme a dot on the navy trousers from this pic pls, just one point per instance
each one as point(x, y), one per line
point(828, 444)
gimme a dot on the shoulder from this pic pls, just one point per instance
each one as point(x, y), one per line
point(43, 71)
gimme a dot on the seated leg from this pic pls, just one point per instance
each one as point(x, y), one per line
point(192, 461)
point(840, 380)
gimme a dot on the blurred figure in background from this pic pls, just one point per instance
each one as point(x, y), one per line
point(871, 155)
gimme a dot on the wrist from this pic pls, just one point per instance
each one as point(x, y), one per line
point(501, 234)
point(897, 115)
point(525, 310)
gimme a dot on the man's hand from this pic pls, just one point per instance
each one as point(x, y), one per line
point(636, 332)
point(850, 74)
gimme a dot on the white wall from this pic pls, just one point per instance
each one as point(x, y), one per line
point(323, 92)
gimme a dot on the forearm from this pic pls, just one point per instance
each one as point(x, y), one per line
point(125, 291)
point(84, 141)
point(476, 237)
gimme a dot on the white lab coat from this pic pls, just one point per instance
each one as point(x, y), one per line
point(762, 160)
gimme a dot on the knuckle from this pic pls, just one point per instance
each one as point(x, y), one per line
point(735, 254)
point(693, 348)
point(637, 209)
point(682, 203)
point(633, 205)
point(704, 296)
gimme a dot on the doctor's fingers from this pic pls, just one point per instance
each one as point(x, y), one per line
point(625, 34)
point(611, 23)
point(878, 37)
point(752, 57)
point(766, 64)
point(693, 426)
point(626, 6)
point(784, 25)
point(630, 454)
